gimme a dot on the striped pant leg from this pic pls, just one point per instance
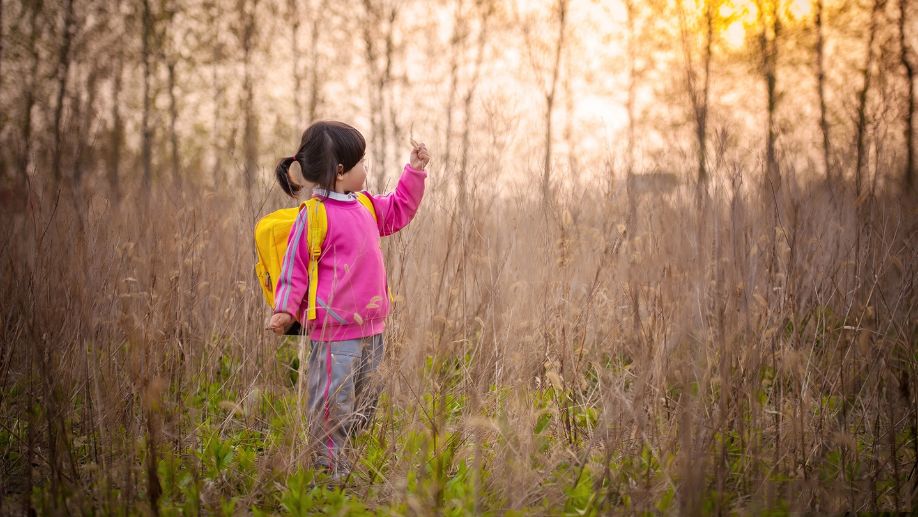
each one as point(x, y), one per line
point(342, 394)
point(367, 383)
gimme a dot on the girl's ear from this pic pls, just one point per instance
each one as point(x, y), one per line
point(340, 170)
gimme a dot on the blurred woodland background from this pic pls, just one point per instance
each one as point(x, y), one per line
point(665, 262)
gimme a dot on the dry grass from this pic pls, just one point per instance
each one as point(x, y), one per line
point(752, 350)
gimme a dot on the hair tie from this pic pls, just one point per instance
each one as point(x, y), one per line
point(293, 158)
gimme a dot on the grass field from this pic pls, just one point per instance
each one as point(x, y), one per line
point(751, 350)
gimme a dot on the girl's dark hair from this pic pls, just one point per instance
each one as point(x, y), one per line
point(323, 146)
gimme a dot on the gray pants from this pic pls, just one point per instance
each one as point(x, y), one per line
point(343, 390)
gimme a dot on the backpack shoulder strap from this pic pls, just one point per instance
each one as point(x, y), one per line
point(317, 228)
point(367, 203)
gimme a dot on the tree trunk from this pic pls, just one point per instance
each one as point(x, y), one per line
point(905, 56)
point(396, 132)
point(632, 82)
point(705, 96)
point(821, 89)
point(249, 10)
point(384, 87)
point(1, 47)
point(480, 45)
point(63, 72)
point(772, 80)
point(863, 96)
point(370, 24)
point(26, 155)
point(217, 92)
point(550, 101)
point(83, 137)
point(697, 99)
point(315, 86)
point(294, 18)
point(768, 45)
point(572, 154)
point(173, 123)
point(171, 56)
point(546, 159)
point(380, 73)
point(146, 128)
point(117, 132)
point(457, 47)
point(3, 114)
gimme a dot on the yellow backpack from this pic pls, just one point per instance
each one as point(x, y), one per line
point(271, 234)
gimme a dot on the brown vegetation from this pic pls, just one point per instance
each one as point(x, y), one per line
point(757, 352)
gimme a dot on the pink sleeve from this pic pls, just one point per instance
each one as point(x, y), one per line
point(294, 276)
point(396, 209)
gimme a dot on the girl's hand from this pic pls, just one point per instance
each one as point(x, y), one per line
point(420, 156)
point(279, 323)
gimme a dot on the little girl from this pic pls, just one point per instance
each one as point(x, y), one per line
point(352, 299)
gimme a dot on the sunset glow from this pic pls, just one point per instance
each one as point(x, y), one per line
point(800, 9)
point(735, 35)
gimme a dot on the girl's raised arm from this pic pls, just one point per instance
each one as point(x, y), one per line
point(396, 209)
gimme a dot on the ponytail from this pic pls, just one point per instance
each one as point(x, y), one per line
point(282, 172)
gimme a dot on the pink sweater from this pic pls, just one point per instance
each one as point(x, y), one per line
point(352, 300)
